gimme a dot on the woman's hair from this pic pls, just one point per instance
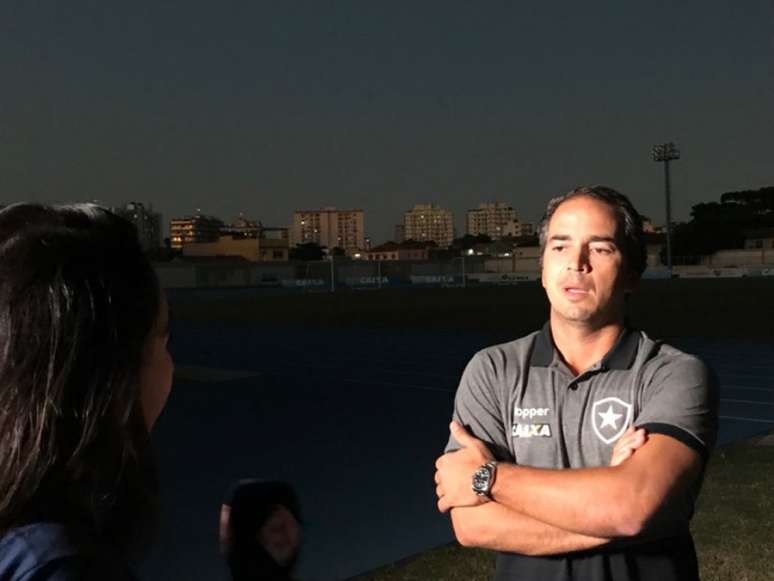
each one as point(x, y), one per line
point(78, 300)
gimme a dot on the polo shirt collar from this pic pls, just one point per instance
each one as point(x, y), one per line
point(621, 356)
point(543, 351)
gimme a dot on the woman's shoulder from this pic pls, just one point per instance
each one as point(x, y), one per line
point(48, 551)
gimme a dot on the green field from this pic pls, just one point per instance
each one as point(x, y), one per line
point(733, 528)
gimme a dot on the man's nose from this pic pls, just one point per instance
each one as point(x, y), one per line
point(578, 260)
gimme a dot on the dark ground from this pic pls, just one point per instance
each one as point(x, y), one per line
point(348, 396)
point(708, 308)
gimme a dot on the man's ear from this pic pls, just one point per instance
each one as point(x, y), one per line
point(224, 529)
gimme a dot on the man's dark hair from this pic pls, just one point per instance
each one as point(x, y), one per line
point(631, 239)
point(78, 300)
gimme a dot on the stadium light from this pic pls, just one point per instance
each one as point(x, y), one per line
point(665, 153)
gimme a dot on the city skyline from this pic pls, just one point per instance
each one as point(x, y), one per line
point(309, 226)
point(263, 110)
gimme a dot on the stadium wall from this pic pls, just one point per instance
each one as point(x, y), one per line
point(361, 274)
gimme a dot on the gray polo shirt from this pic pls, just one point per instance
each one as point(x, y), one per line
point(525, 403)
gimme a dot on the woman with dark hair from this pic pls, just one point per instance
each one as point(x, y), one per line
point(84, 373)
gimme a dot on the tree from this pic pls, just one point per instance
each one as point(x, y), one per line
point(760, 201)
point(469, 241)
point(307, 252)
point(411, 243)
point(722, 225)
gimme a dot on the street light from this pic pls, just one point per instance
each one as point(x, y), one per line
point(667, 152)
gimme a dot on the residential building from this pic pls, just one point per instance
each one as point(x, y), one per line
point(145, 220)
point(330, 227)
point(393, 251)
point(243, 227)
point(512, 229)
point(426, 222)
point(400, 233)
point(491, 219)
point(270, 245)
point(517, 229)
point(193, 229)
point(761, 238)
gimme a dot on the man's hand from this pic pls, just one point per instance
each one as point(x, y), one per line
point(454, 471)
point(627, 444)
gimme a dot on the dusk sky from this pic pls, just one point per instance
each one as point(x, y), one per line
point(267, 107)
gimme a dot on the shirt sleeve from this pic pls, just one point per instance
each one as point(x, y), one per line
point(681, 401)
point(478, 405)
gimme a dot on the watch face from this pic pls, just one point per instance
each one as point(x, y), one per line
point(481, 479)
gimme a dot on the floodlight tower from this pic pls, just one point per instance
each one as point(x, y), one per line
point(667, 152)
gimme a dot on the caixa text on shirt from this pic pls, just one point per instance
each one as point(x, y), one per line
point(531, 430)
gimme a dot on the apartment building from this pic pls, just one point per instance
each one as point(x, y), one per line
point(145, 220)
point(493, 219)
point(193, 229)
point(330, 227)
point(426, 222)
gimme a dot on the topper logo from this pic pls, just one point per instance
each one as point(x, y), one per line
point(529, 413)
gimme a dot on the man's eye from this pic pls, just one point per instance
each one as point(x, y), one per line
point(558, 248)
point(602, 250)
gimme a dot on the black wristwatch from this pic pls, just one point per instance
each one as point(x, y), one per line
point(483, 479)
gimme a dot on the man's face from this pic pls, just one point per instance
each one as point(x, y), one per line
point(584, 272)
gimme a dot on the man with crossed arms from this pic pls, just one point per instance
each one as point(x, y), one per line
point(527, 470)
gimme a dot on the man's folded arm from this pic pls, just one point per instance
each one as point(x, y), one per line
point(499, 528)
point(609, 502)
